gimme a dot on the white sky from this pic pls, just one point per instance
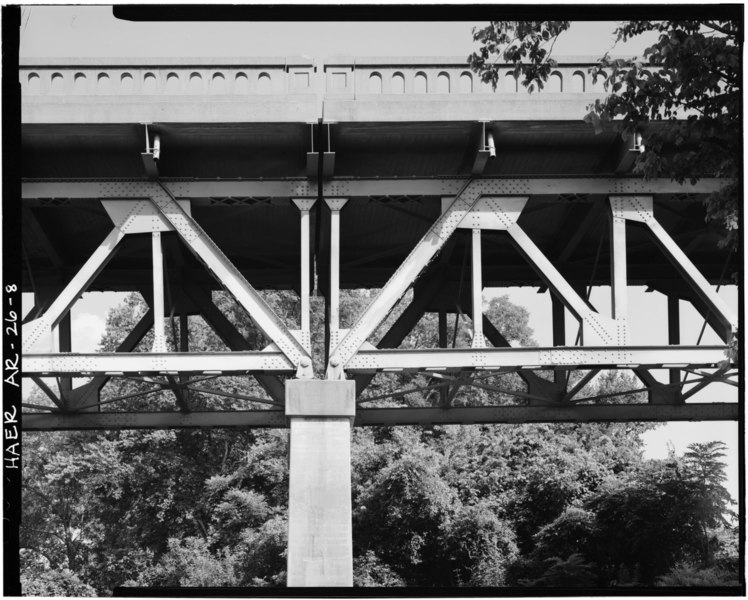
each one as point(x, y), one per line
point(92, 31)
point(79, 31)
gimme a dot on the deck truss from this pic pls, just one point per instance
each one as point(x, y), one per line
point(476, 204)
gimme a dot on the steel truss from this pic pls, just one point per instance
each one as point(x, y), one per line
point(476, 204)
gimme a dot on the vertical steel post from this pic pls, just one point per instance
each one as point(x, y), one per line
point(477, 291)
point(443, 391)
point(305, 205)
point(184, 340)
point(305, 288)
point(619, 299)
point(673, 330)
point(64, 336)
point(159, 336)
point(558, 318)
point(334, 312)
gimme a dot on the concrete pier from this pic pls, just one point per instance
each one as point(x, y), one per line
point(320, 544)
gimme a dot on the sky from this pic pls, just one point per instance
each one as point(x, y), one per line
point(92, 31)
point(78, 31)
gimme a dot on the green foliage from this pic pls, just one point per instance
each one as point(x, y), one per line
point(54, 583)
point(688, 575)
point(569, 572)
point(370, 571)
point(688, 79)
point(568, 534)
point(479, 545)
point(525, 44)
point(189, 562)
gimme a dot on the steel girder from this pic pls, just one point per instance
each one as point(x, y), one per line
point(169, 363)
point(348, 188)
point(532, 358)
point(391, 416)
point(547, 414)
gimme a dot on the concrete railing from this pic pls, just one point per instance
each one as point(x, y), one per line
point(444, 75)
point(166, 77)
point(341, 75)
point(293, 90)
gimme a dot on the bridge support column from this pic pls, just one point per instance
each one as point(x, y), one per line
point(320, 539)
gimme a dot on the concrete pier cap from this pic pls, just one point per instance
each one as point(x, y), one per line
point(320, 398)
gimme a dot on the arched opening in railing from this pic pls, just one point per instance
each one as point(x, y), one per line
point(103, 84)
point(149, 83)
point(577, 82)
point(196, 84)
point(375, 83)
point(241, 83)
point(442, 83)
point(509, 82)
point(80, 83)
point(33, 84)
point(57, 84)
point(264, 84)
point(555, 83)
point(598, 84)
point(420, 83)
point(466, 83)
point(218, 84)
point(126, 83)
point(398, 83)
point(172, 83)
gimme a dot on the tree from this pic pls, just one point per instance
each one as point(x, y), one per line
point(689, 79)
point(442, 506)
point(703, 465)
point(653, 519)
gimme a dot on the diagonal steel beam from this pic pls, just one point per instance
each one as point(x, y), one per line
point(641, 209)
point(536, 386)
point(403, 277)
point(77, 285)
point(404, 324)
point(46, 389)
point(206, 250)
point(231, 337)
point(705, 382)
point(41, 237)
point(581, 383)
point(85, 394)
point(565, 248)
